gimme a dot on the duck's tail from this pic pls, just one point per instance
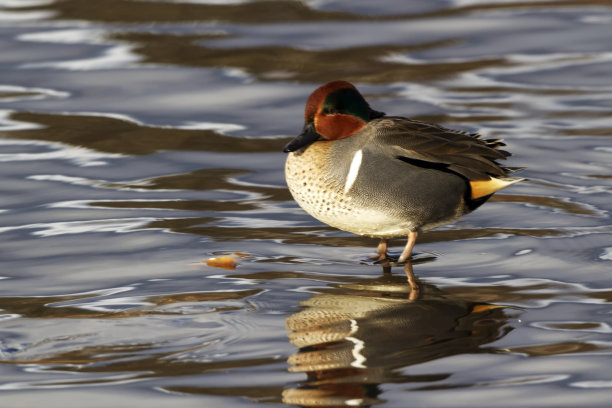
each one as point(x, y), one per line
point(484, 188)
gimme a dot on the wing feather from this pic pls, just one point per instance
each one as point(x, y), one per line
point(466, 154)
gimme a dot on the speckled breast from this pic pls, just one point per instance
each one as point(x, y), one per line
point(318, 185)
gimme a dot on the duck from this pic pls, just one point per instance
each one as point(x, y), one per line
point(361, 171)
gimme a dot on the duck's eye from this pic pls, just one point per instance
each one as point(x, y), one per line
point(330, 111)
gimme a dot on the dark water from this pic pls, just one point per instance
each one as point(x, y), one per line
point(140, 138)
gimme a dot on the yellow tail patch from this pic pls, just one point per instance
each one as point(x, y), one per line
point(482, 188)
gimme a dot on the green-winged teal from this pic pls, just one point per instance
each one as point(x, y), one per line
point(387, 176)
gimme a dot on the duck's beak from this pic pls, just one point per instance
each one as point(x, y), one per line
point(309, 135)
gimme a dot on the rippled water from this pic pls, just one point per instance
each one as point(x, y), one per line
point(140, 138)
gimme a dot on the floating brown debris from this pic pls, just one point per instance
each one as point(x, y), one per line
point(224, 262)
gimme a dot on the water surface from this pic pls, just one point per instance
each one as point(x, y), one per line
point(140, 138)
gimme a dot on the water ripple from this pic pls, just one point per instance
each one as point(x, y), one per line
point(140, 138)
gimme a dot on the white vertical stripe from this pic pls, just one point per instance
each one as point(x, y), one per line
point(359, 345)
point(353, 171)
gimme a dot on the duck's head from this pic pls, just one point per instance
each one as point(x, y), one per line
point(333, 111)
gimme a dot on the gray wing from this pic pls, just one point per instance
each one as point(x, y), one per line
point(428, 145)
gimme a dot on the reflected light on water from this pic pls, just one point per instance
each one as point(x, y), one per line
point(140, 138)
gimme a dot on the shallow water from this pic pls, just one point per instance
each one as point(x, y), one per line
point(140, 138)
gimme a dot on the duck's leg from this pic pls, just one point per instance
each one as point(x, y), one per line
point(414, 286)
point(381, 250)
point(412, 236)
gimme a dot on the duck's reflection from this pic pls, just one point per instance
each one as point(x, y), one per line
point(355, 337)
